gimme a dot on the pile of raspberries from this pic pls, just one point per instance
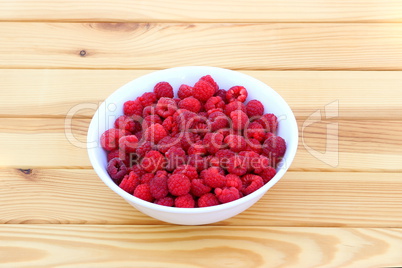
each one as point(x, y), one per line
point(206, 147)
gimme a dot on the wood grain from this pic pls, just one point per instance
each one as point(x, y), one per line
point(326, 199)
point(202, 11)
point(285, 46)
point(181, 246)
point(55, 92)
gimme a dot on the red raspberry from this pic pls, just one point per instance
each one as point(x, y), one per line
point(113, 154)
point(233, 106)
point(128, 144)
point(260, 164)
point(153, 161)
point(203, 90)
point(185, 139)
point(224, 157)
point(175, 157)
point(162, 173)
point(211, 81)
point(239, 120)
point(275, 146)
point(166, 107)
point(137, 169)
point(163, 89)
point(110, 138)
point(133, 107)
point(221, 93)
point(213, 178)
point(255, 131)
point(214, 103)
point(197, 161)
point(187, 170)
point(236, 143)
point(168, 124)
point(167, 201)
point(226, 194)
point(208, 200)
point(155, 133)
point(149, 110)
point(185, 119)
point(213, 142)
point(143, 148)
point(150, 120)
point(143, 192)
point(254, 146)
point(179, 184)
point(166, 143)
point(238, 93)
point(130, 182)
point(213, 161)
point(148, 98)
point(191, 104)
point(158, 187)
point(197, 148)
point(267, 174)
point(116, 169)
point(254, 108)
point(237, 165)
point(184, 91)
point(126, 123)
point(184, 201)
point(233, 180)
point(218, 120)
point(269, 122)
point(251, 183)
point(146, 178)
point(252, 159)
point(198, 187)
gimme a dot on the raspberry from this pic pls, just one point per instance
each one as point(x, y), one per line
point(214, 103)
point(200, 129)
point(185, 119)
point(239, 120)
point(252, 159)
point(158, 187)
point(143, 148)
point(150, 120)
point(218, 120)
point(233, 106)
point(185, 139)
point(213, 178)
point(213, 142)
point(236, 143)
point(133, 107)
point(191, 104)
point(128, 144)
point(237, 165)
point(254, 108)
point(251, 183)
point(197, 148)
point(155, 133)
point(110, 138)
point(227, 194)
point(208, 200)
point(238, 93)
point(255, 131)
point(179, 184)
point(148, 98)
point(184, 201)
point(153, 161)
point(213, 161)
point(267, 174)
point(166, 107)
point(163, 89)
point(184, 91)
point(197, 161)
point(166, 201)
point(198, 187)
point(166, 143)
point(211, 81)
point(233, 180)
point(187, 170)
point(203, 90)
point(149, 110)
point(126, 123)
point(130, 182)
point(116, 169)
point(260, 164)
point(269, 122)
point(161, 173)
point(143, 192)
point(146, 178)
point(274, 146)
point(254, 146)
point(222, 94)
point(137, 169)
point(113, 154)
point(168, 124)
point(175, 157)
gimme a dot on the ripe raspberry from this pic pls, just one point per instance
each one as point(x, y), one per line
point(225, 132)
point(143, 192)
point(269, 122)
point(208, 200)
point(149, 110)
point(179, 184)
point(214, 103)
point(197, 148)
point(130, 182)
point(227, 194)
point(275, 146)
point(238, 93)
point(166, 143)
point(213, 178)
point(222, 94)
point(187, 170)
point(167, 201)
point(191, 104)
point(185, 119)
point(267, 174)
point(184, 201)
point(236, 143)
point(128, 144)
point(166, 107)
point(133, 107)
point(254, 108)
point(143, 148)
point(185, 139)
point(213, 142)
point(126, 123)
point(203, 90)
point(237, 165)
point(146, 178)
point(175, 157)
point(239, 120)
point(233, 106)
point(251, 183)
point(113, 154)
point(163, 89)
point(150, 120)
point(211, 81)
point(197, 161)
point(233, 180)
point(162, 173)
point(184, 91)
point(255, 131)
point(218, 120)
point(116, 169)
point(153, 161)
point(110, 138)
point(155, 133)
point(254, 146)
point(198, 187)
point(148, 98)
point(137, 169)
point(213, 161)
point(260, 164)
point(158, 187)
point(168, 124)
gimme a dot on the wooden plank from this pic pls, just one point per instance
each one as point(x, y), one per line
point(202, 246)
point(366, 145)
point(326, 199)
point(202, 11)
point(286, 46)
point(56, 92)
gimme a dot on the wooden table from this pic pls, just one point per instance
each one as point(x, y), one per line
point(337, 63)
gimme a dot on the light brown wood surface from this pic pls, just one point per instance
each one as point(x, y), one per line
point(56, 212)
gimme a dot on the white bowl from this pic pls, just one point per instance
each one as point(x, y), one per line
point(111, 108)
